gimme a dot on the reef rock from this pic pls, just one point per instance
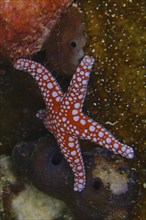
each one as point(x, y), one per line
point(108, 193)
point(20, 200)
point(64, 46)
point(25, 24)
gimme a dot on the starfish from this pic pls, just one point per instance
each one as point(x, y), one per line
point(64, 118)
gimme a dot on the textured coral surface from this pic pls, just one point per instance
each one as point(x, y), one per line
point(65, 45)
point(115, 30)
point(24, 25)
point(115, 37)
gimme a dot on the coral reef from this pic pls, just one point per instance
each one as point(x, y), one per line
point(14, 194)
point(43, 164)
point(14, 86)
point(25, 24)
point(64, 46)
point(115, 36)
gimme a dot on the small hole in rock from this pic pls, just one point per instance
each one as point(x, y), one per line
point(56, 159)
point(97, 183)
point(73, 44)
point(122, 170)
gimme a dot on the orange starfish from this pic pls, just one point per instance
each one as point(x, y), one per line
point(63, 116)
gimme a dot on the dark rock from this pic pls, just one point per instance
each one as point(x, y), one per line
point(107, 191)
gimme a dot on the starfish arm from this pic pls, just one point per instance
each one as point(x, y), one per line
point(78, 85)
point(51, 91)
point(95, 132)
point(71, 150)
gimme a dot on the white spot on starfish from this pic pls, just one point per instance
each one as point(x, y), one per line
point(45, 77)
point(73, 153)
point(50, 85)
point(39, 70)
point(92, 128)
